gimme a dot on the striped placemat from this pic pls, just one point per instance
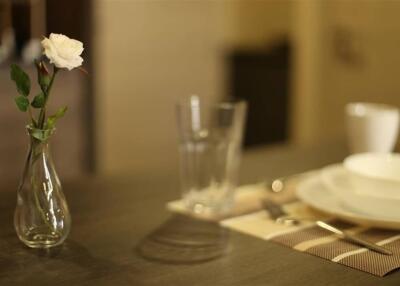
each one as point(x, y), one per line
point(311, 239)
point(248, 216)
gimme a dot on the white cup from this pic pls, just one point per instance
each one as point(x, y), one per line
point(371, 127)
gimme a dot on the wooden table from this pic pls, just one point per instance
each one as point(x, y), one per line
point(113, 218)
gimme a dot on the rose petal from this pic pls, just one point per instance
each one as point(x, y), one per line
point(62, 51)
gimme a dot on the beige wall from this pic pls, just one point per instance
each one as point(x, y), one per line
point(149, 53)
point(306, 71)
point(256, 23)
point(346, 51)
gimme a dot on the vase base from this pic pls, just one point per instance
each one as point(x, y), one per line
point(39, 240)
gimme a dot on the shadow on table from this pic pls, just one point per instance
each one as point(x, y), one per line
point(79, 255)
point(183, 240)
point(70, 256)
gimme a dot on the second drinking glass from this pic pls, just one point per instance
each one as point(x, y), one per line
point(210, 138)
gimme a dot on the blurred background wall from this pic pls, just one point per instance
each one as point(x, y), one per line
point(143, 55)
point(150, 53)
point(345, 51)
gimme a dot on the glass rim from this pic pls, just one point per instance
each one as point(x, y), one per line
point(31, 128)
point(368, 109)
point(223, 104)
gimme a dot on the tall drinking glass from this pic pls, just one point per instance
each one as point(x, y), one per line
point(210, 137)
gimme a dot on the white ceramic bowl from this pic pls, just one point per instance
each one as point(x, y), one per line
point(338, 180)
point(375, 174)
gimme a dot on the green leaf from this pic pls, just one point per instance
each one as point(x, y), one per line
point(42, 135)
point(61, 111)
point(21, 80)
point(38, 101)
point(22, 103)
point(51, 121)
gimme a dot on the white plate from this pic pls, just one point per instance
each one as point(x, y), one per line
point(314, 193)
point(338, 180)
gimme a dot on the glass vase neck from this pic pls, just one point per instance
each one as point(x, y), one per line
point(39, 136)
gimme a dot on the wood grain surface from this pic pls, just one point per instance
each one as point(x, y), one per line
point(122, 235)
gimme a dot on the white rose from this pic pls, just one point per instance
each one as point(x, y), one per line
point(62, 51)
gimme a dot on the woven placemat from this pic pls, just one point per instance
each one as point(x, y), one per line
point(249, 217)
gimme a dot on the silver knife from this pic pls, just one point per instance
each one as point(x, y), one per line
point(354, 239)
point(279, 215)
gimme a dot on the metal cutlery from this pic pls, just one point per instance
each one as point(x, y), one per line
point(342, 234)
point(278, 185)
point(280, 216)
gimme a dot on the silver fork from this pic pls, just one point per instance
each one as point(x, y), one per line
point(280, 216)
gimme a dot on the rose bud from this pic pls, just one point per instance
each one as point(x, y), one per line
point(43, 75)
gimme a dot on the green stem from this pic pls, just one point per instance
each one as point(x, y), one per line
point(26, 167)
point(34, 156)
point(34, 123)
point(31, 158)
point(42, 115)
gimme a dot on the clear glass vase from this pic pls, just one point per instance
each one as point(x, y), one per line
point(41, 218)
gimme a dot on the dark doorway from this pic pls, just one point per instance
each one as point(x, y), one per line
point(262, 79)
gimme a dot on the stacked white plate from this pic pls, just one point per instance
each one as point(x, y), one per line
point(365, 189)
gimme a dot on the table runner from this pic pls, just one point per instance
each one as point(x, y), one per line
point(250, 218)
point(311, 239)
